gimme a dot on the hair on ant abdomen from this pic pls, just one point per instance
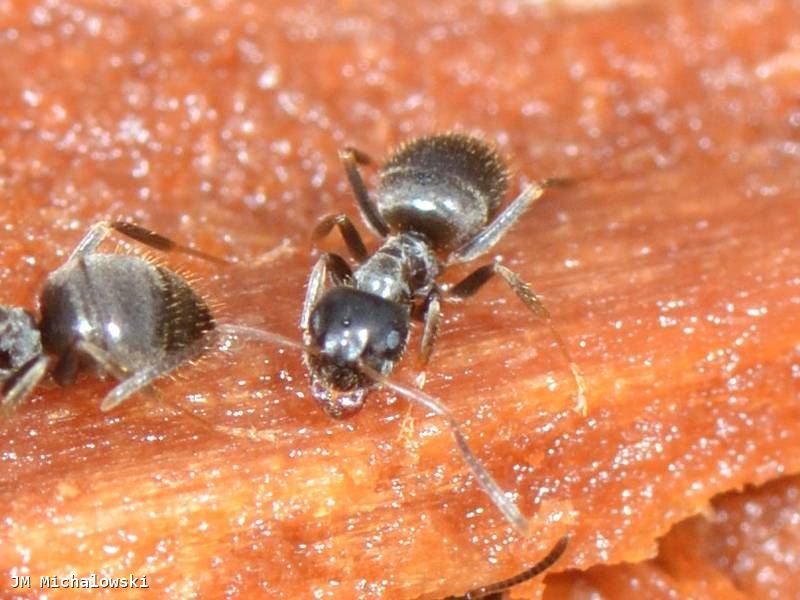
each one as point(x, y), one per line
point(122, 315)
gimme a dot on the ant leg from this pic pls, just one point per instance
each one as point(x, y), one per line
point(475, 281)
point(501, 586)
point(159, 242)
point(68, 363)
point(327, 263)
point(96, 234)
point(21, 383)
point(351, 158)
point(432, 319)
point(102, 229)
point(66, 368)
point(348, 231)
point(102, 358)
point(144, 377)
point(492, 233)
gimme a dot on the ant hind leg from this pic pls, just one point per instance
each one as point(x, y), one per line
point(495, 590)
point(351, 158)
point(476, 280)
point(102, 359)
point(102, 229)
point(146, 376)
point(502, 223)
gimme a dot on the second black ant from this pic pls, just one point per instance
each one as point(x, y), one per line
point(120, 315)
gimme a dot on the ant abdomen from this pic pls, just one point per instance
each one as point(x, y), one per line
point(139, 315)
point(123, 315)
point(445, 187)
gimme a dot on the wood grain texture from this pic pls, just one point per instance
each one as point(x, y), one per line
point(671, 267)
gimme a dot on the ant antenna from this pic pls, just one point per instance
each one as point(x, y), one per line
point(486, 481)
point(499, 587)
point(506, 506)
point(261, 335)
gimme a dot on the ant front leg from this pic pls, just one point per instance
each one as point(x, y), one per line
point(431, 320)
point(103, 229)
point(327, 263)
point(348, 231)
point(19, 386)
point(351, 158)
point(476, 280)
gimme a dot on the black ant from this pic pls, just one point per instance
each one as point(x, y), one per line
point(438, 195)
point(494, 591)
point(121, 314)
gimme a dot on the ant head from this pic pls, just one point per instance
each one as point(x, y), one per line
point(19, 339)
point(349, 328)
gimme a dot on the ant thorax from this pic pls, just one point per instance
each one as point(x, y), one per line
point(403, 269)
point(20, 340)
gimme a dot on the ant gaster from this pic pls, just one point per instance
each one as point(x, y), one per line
point(121, 314)
point(437, 205)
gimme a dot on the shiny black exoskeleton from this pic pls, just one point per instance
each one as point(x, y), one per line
point(349, 325)
point(120, 314)
point(437, 205)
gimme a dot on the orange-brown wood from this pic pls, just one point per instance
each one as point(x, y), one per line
point(671, 268)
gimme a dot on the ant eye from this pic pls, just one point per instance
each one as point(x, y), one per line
point(316, 321)
point(393, 339)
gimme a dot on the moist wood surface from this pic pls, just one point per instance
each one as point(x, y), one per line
point(670, 266)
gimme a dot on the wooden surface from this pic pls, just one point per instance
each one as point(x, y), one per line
point(671, 268)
